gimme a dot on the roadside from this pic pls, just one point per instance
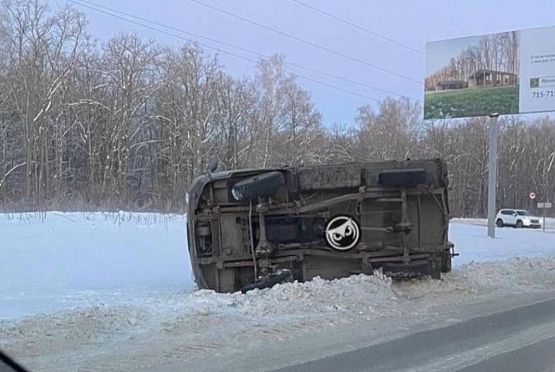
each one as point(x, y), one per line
point(518, 333)
point(213, 331)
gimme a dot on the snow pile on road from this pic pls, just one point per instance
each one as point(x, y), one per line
point(44, 334)
point(375, 292)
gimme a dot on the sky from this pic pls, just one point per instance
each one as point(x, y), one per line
point(409, 22)
point(439, 53)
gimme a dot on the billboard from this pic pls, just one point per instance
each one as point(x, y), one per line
point(505, 73)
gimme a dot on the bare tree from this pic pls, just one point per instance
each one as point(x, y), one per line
point(42, 49)
point(129, 123)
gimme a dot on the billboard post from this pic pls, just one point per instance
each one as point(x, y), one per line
point(492, 174)
point(507, 73)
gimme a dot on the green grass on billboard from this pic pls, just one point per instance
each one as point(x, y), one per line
point(480, 101)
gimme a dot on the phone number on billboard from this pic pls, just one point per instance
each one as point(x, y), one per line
point(544, 94)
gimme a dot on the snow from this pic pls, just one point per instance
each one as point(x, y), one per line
point(115, 291)
point(201, 324)
point(471, 241)
point(52, 261)
point(549, 221)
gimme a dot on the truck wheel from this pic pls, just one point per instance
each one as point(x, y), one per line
point(518, 224)
point(260, 186)
point(499, 223)
point(403, 177)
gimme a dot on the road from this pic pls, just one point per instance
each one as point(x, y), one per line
point(519, 339)
point(509, 333)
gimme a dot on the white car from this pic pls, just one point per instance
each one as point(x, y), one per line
point(516, 218)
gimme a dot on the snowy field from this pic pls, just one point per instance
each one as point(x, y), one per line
point(116, 290)
point(52, 261)
point(469, 236)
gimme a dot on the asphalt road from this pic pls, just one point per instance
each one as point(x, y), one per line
point(519, 339)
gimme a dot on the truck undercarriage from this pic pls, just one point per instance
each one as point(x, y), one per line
point(254, 228)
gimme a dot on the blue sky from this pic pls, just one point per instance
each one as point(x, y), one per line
point(439, 53)
point(411, 22)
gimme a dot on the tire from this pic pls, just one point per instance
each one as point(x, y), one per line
point(499, 223)
point(260, 186)
point(518, 224)
point(403, 177)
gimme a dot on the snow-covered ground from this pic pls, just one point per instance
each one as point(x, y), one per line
point(472, 243)
point(115, 291)
point(549, 222)
point(53, 261)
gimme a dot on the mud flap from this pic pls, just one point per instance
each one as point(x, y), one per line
point(280, 276)
point(409, 270)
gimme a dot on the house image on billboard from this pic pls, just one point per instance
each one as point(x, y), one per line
point(451, 84)
point(480, 78)
point(491, 78)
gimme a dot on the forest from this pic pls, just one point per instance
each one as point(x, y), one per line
point(128, 123)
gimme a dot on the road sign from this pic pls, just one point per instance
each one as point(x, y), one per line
point(532, 195)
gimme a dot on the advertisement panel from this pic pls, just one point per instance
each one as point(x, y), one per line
point(506, 73)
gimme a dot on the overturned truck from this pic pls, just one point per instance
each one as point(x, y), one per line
point(254, 228)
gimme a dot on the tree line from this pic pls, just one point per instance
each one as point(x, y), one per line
point(128, 123)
